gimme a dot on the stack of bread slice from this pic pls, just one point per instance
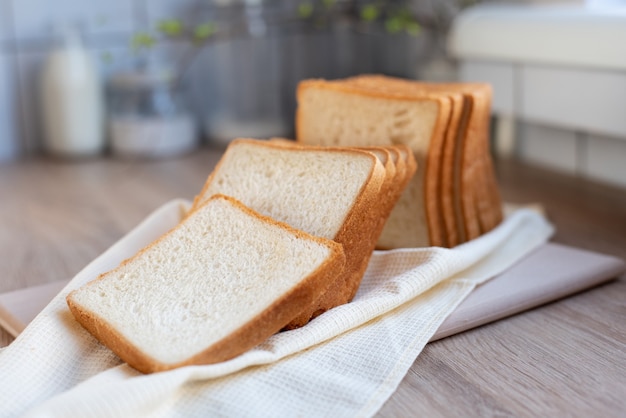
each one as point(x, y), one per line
point(339, 193)
point(279, 234)
point(454, 197)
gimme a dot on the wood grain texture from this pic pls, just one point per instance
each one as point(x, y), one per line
point(567, 358)
point(56, 216)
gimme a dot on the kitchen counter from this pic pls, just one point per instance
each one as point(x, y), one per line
point(565, 358)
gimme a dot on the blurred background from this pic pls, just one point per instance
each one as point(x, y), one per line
point(158, 78)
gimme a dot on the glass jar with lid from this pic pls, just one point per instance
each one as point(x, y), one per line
point(149, 116)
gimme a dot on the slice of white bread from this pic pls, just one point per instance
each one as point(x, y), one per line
point(339, 113)
point(331, 193)
point(219, 283)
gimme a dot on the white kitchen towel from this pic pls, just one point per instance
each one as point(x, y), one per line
point(347, 362)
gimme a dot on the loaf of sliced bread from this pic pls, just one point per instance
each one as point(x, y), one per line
point(449, 205)
point(463, 200)
point(473, 190)
point(219, 283)
point(331, 193)
point(340, 113)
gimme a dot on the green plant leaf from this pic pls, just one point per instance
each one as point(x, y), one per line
point(142, 40)
point(170, 27)
point(404, 14)
point(329, 3)
point(202, 32)
point(394, 24)
point(413, 28)
point(305, 10)
point(370, 12)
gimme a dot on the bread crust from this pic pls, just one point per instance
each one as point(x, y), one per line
point(406, 168)
point(268, 322)
point(447, 172)
point(395, 187)
point(478, 175)
point(388, 190)
point(452, 159)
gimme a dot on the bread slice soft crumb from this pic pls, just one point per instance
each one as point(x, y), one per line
point(219, 283)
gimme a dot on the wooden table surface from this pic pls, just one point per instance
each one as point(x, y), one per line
point(567, 358)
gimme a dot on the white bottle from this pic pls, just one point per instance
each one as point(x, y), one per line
point(72, 100)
